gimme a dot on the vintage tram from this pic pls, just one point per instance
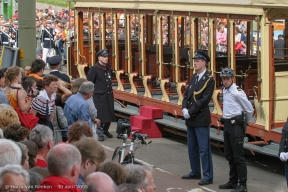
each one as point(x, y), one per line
point(151, 45)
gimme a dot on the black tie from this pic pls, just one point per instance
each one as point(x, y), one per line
point(197, 76)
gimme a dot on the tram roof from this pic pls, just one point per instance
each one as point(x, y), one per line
point(251, 7)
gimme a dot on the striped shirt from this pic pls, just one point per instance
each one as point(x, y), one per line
point(39, 104)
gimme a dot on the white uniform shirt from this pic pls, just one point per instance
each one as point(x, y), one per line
point(234, 102)
point(201, 74)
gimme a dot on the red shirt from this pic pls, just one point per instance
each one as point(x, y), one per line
point(57, 183)
point(15, 16)
point(41, 163)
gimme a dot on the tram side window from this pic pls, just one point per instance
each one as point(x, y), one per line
point(96, 24)
point(221, 35)
point(241, 37)
point(203, 33)
point(280, 39)
point(255, 40)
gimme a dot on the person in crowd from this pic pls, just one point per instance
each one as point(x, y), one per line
point(92, 109)
point(99, 181)
point(100, 75)
point(54, 63)
point(37, 70)
point(38, 39)
point(15, 92)
point(77, 130)
point(128, 187)
point(279, 46)
point(244, 41)
point(63, 93)
point(92, 153)
point(14, 33)
point(43, 105)
point(14, 176)
point(238, 34)
point(24, 156)
point(29, 85)
point(63, 163)
point(3, 97)
point(32, 152)
point(115, 170)
point(283, 149)
point(221, 37)
point(5, 36)
point(42, 136)
point(197, 119)
point(141, 176)
point(47, 40)
point(10, 153)
point(8, 116)
point(237, 112)
point(76, 108)
point(16, 132)
point(41, 171)
point(35, 180)
point(60, 125)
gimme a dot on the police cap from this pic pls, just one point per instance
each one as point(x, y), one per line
point(7, 25)
point(49, 21)
point(102, 53)
point(201, 55)
point(55, 60)
point(15, 22)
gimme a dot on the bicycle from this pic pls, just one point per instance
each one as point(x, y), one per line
point(130, 156)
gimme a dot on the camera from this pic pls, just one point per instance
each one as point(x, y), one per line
point(31, 90)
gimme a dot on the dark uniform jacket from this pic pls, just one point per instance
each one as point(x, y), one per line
point(47, 38)
point(63, 77)
point(196, 100)
point(284, 140)
point(103, 96)
point(5, 36)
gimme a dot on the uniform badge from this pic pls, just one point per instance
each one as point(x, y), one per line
point(233, 121)
point(109, 76)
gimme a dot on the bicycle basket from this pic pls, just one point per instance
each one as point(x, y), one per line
point(123, 127)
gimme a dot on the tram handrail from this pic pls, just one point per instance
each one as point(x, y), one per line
point(255, 92)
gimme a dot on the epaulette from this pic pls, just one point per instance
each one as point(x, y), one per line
point(239, 89)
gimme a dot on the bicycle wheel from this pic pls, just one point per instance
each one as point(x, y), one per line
point(117, 152)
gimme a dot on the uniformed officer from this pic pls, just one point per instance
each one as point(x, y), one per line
point(100, 75)
point(283, 149)
point(14, 33)
point(47, 41)
point(54, 63)
point(237, 111)
point(197, 114)
point(6, 39)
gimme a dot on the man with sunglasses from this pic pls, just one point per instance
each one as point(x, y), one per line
point(237, 111)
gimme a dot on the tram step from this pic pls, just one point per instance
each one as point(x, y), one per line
point(141, 122)
point(151, 112)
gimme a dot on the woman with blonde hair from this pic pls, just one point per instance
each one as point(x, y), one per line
point(16, 94)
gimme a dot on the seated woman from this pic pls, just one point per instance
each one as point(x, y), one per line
point(77, 130)
point(16, 94)
point(43, 105)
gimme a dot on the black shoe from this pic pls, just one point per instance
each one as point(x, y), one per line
point(240, 188)
point(205, 182)
point(101, 138)
point(109, 135)
point(228, 185)
point(190, 177)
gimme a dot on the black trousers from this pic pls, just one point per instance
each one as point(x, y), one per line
point(234, 133)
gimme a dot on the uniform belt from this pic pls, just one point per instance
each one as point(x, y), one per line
point(5, 43)
point(48, 39)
